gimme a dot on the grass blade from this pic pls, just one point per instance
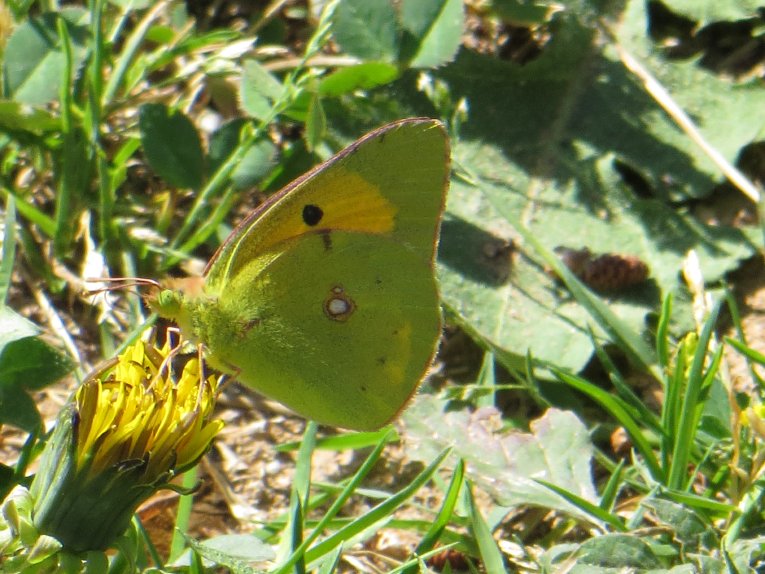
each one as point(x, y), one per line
point(9, 248)
point(612, 487)
point(377, 514)
point(45, 223)
point(623, 389)
point(691, 408)
point(342, 498)
point(183, 515)
point(588, 507)
point(619, 411)
point(490, 553)
point(662, 331)
point(431, 537)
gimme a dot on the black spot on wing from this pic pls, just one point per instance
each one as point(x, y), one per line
point(312, 214)
point(327, 239)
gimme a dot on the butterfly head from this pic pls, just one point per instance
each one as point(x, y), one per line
point(170, 298)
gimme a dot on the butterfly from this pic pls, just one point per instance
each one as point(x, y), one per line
point(325, 298)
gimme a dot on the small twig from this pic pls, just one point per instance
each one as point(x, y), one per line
point(665, 100)
point(238, 507)
point(315, 62)
point(269, 13)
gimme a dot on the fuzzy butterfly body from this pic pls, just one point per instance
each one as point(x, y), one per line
point(324, 298)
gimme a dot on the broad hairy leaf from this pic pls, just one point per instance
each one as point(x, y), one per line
point(692, 529)
point(617, 551)
point(508, 464)
point(727, 111)
point(559, 143)
point(236, 551)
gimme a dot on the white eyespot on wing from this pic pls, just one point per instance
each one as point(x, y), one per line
point(338, 306)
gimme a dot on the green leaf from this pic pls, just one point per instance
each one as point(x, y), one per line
point(18, 409)
point(728, 113)
point(623, 413)
point(363, 76)
point(234, 551)
point(445, 514)
point(26, 362)
point(717, 414)
point(490, 554)
point(435, 27)
point(7, 482)
point(379, 515)
point(172, 145)
point(330, 561)
point(692, 402)
point(521, 12)
point(384, 437)
point(710, 11)
point(33, 214)
point(32, 364)
point(239, 546)
point(34, 57)
point(596, 511)
point(73, 184)
point(367, 29)
point(686, 524)
point(507, 465)
point(14, 327)
point(15, 116)
point(315, 124)
point(8, 249)
point(259, 90)
point(747, 552)
point(617, 551)
point(549, 141)
point(223, 142)
point(256, 164)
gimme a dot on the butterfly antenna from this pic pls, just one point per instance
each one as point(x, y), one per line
point(120, 283)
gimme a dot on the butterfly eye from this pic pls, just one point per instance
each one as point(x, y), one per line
point(167, 302)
